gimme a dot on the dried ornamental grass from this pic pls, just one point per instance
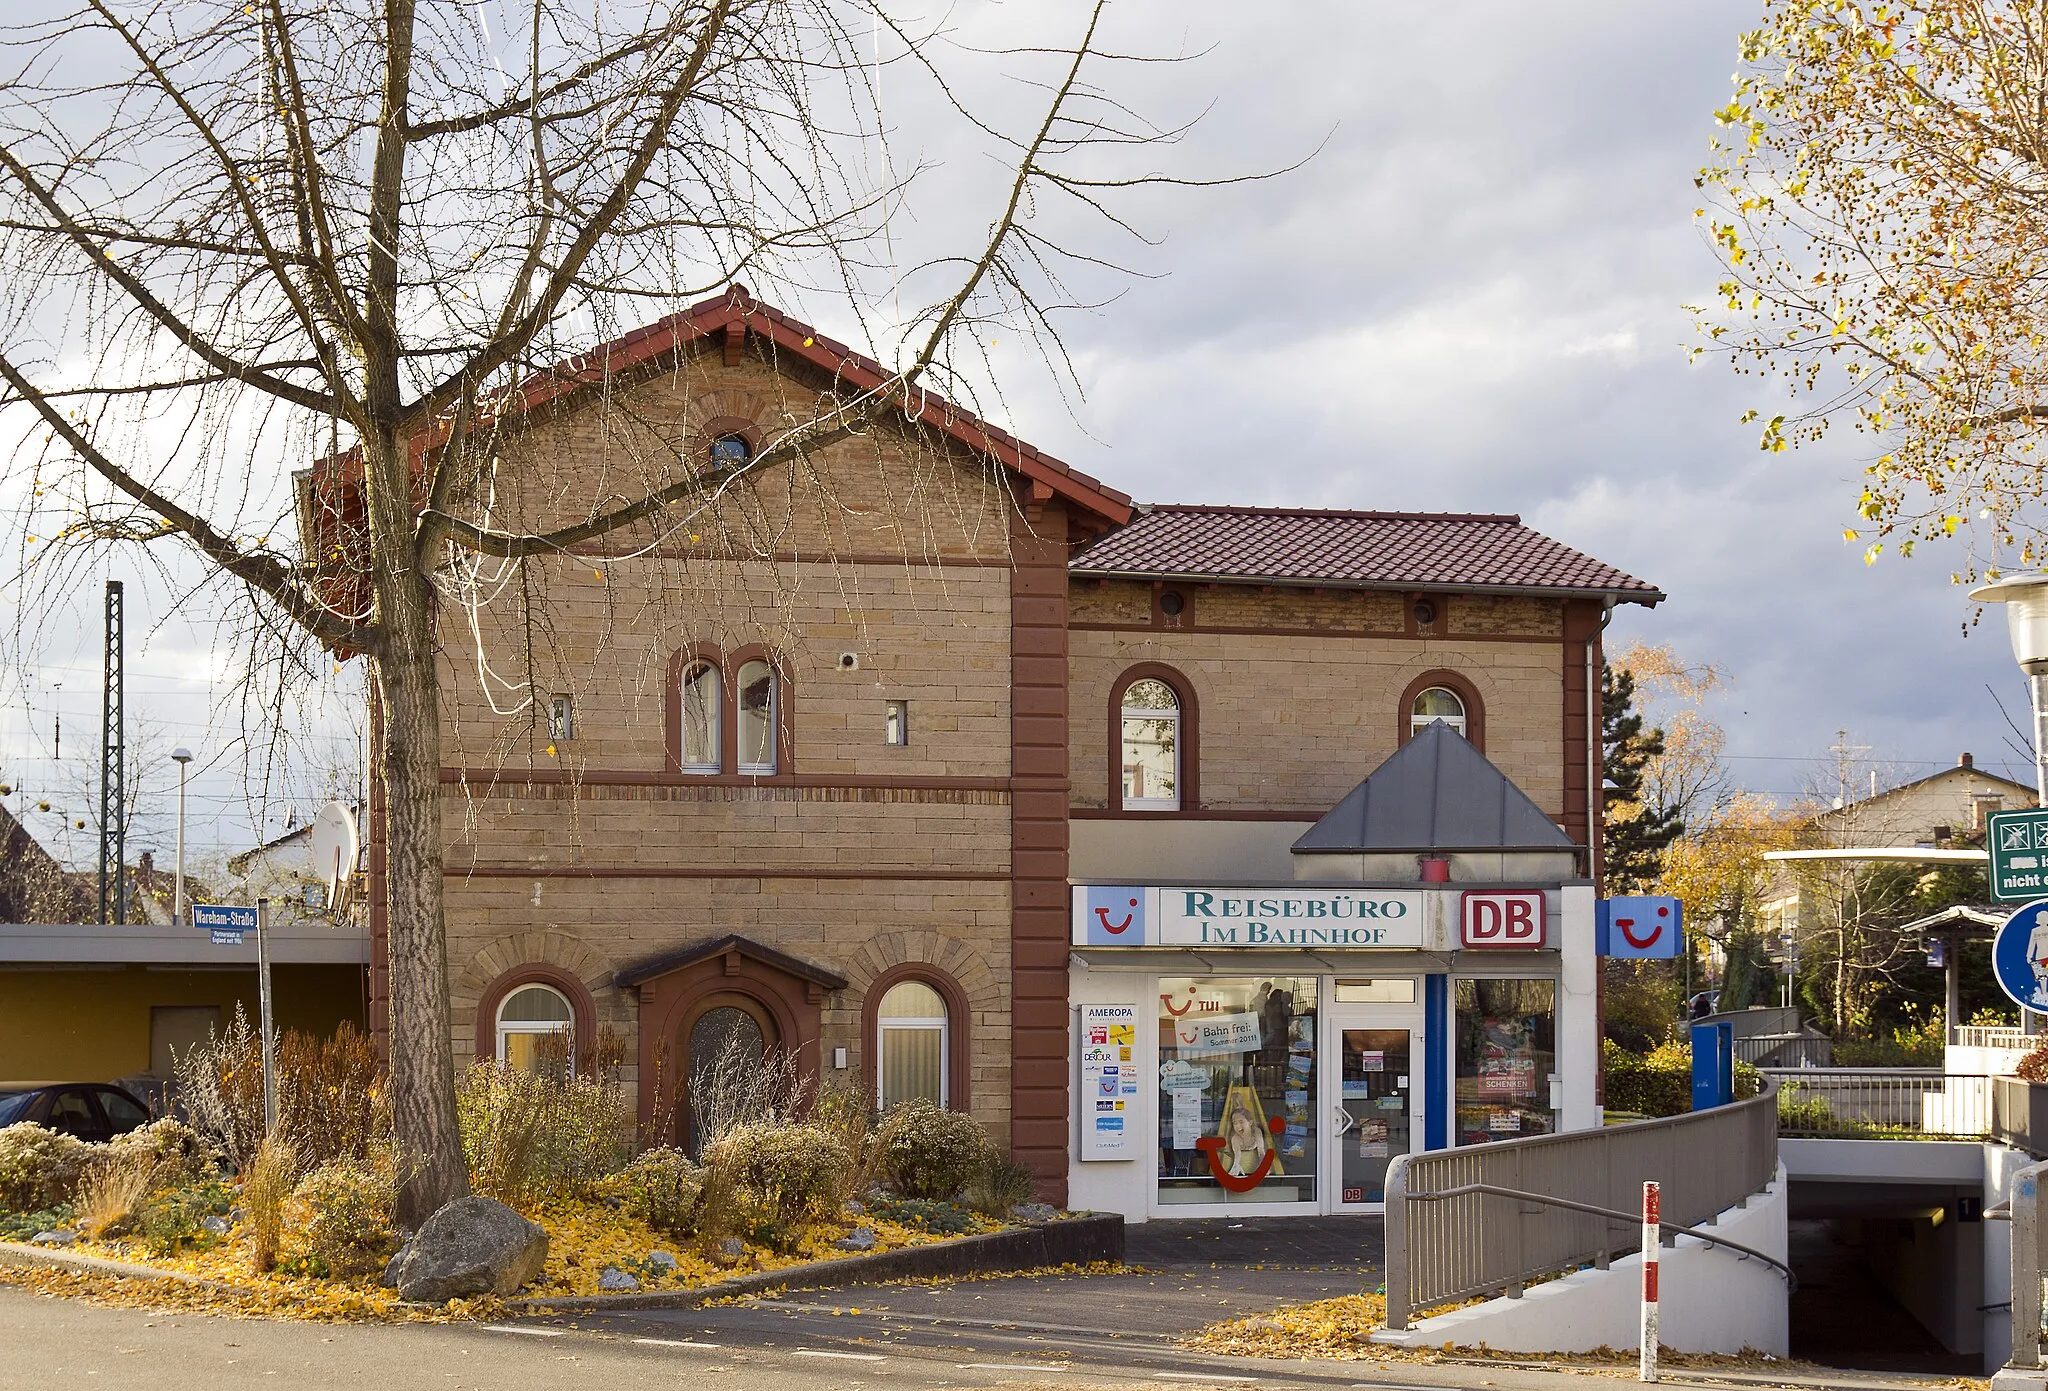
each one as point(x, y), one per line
point(111, 1191)
point(532, 1135)
point(268, 1182)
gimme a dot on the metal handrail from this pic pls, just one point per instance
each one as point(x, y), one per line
point(1707, 1161)
point(1625, 1218)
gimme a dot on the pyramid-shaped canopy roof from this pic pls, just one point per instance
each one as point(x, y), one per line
point(1436, 793)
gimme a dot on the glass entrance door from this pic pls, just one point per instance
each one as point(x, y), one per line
point(1373, 1117)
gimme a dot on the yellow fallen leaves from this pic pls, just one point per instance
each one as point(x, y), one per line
point(1339, 1328)
point(584, 1238)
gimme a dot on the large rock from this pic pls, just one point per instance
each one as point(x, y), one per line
point(472, 1246)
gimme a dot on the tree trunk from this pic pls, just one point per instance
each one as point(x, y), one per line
point(431, 1170)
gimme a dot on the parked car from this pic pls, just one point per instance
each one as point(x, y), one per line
point(90, 1110)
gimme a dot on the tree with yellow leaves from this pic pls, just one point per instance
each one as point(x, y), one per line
point(1875, 198)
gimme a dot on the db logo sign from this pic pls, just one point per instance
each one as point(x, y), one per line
point(1502, 920)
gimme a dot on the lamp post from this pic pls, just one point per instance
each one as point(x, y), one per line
point(183, 758)
point(2026, 621)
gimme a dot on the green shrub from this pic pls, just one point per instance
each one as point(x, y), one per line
point(1658, 1083)
point(926, 1152)
point(771, 1181)
point(663, 1187)
point(529, 1135)
point(20, 1226)
point(338, 1222)
point(924, 1214)
point(39, 1168)
point(1000, 1185)
point(172, 1218)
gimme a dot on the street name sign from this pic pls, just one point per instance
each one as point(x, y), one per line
point(2018, 842)
point(226, 922)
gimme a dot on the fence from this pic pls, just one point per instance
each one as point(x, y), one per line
point(1451, 1248)
point(1882, 1104)
point(1785, 1050)
point(1978, 1036)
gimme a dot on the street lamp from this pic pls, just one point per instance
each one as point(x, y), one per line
point(183, 758)
point(2026, 620)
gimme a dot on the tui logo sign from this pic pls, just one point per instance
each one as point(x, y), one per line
point(1645, 927)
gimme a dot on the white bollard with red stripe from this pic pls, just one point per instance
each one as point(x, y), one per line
point(1652, 1238)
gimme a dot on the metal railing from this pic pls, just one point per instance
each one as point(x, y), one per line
point(1451, 1233)
point(1785, 1050)
point(1882, 1104)
point(1978, 1036)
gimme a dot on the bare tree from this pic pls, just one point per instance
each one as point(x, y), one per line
point(244, 237)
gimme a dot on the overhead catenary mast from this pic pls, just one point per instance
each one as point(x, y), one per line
point(113, 760)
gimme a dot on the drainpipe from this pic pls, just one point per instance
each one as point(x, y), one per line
point(1594, 645)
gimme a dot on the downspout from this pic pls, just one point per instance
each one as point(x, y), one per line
point(1593, 748)
point(1593, 743)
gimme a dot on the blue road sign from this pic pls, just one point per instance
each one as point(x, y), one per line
point(218, 918)
point(1644, 927)
point(2019, 956)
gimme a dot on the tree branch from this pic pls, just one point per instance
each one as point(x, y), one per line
point(262, 572)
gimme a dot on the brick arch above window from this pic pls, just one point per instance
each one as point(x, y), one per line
point(1187, 752)
point(582, 1006)
point(959, 1028)
point(1457, 684)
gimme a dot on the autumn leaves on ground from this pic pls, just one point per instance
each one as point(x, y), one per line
point(299, 1221)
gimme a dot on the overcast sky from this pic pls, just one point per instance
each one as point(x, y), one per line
point(1469, 300)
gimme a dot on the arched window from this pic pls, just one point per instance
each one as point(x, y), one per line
point(701, 704)
point(730, 451)
point(756, 691)
point(911, 1047)
point(536, 1029)
point(1437, 703)
point(1151, 746)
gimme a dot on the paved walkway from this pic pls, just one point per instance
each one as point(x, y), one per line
point(1190, 1273)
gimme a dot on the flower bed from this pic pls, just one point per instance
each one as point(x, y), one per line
point(300, 1219)
point(585, 1239)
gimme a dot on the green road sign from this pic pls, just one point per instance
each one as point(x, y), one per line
point(2018, 841)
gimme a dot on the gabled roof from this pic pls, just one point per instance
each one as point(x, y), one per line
point(1436, 792)
point(660, 965)
point(1404, 550)
point(1965, 771)
point(329, 492)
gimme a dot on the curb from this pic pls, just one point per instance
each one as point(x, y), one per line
point(1075, 1240)
point(21, 1254)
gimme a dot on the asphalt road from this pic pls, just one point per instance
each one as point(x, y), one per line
point(773, 1345)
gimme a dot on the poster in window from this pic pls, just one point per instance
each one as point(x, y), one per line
point(1245, 1132)
point(1506, 1075)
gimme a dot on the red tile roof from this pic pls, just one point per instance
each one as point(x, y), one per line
point(331, 501)
point(1405, 550)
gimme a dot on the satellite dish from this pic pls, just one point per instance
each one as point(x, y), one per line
point(334, 849)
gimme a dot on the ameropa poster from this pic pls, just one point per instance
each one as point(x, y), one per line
point(1132, 916)
point(1109, 1082)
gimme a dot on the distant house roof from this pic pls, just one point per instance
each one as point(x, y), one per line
point(1436, 792)
point(1965, 769)
point(1406, 550)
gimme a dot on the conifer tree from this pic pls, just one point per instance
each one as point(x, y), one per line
point(1633, 833)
